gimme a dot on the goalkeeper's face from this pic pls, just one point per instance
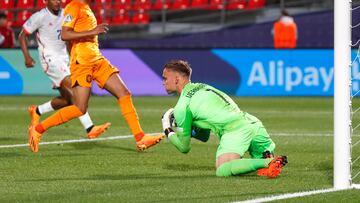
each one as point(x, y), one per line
point(170, 81)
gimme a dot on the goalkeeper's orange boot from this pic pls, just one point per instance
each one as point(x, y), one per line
point(33, 115)
point(265, 155)
point(148, 141)
point(262, 172)
point(34, 139)
point(274, 168)
point(96, 131)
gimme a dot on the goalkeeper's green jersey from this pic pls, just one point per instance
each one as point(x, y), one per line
point(205, 107)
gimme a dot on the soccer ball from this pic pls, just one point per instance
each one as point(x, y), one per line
point(173, 121)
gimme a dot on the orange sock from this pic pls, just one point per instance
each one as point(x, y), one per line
point(129, 113)
point(61, 116)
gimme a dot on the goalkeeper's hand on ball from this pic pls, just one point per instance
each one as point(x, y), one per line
point(166, 120)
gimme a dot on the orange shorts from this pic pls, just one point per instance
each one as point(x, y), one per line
point(84, 74)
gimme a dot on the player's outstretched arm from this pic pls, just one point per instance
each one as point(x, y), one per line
point(69, 34)
point(181, 139)
point(29, 62)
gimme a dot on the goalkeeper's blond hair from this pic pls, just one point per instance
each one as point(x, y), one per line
point(180, 66)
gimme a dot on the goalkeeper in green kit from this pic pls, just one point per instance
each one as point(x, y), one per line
point(201, 109)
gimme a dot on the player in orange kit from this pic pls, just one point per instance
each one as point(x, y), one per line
point(87, 64)
point(54, 59)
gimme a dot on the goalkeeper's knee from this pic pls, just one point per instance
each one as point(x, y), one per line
point(224, 170)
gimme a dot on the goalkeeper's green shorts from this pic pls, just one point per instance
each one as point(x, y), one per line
point(252, 138)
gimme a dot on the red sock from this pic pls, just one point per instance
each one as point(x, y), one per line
point(139, 136)
point(39, 128)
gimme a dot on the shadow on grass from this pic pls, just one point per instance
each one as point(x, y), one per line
point(91, 145)
point(140, 177)
point(188, 167)
point(9, 155)
point(137, 177)
point(137, 181)
point(212, 169)
point(327, 168)
point(14, 139)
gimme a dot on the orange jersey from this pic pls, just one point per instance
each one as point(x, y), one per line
point(79, 17)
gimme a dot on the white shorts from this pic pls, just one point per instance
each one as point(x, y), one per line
point(56, 67)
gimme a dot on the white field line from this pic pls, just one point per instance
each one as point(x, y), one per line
point(75, 141)
point(130, 136)
point(288, 196)
point(296, 194)
point(258, 200)
point(302, 134)
point(356, 186)
point(274, 134)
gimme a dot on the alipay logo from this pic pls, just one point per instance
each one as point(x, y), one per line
point(286, 77)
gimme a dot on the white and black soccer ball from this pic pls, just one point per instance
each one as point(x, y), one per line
point(173, 123)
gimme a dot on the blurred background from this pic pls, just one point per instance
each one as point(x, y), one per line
point(274, 57)
point(231, 45)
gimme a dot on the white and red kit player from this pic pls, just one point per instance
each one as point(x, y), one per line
point(54, 59)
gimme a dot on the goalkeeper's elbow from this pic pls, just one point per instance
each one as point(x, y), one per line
point(184, 150)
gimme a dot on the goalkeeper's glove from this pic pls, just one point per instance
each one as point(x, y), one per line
point(166, 122)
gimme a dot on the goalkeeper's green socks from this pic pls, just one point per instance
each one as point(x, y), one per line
point(241, 166)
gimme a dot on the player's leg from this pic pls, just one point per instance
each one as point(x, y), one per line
point(232, 148)
point(230, 164)
point(117, 88)
point(65, 98)
point(57, 70)
point(80, 76)
point(261, 143)
point(91, 130)
point(49, 106)
point(108, 79)
point(52, 105)
point(262, 146)
point(81, 84)
point(81, 98)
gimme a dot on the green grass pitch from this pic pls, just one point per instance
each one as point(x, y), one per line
point(113, 171)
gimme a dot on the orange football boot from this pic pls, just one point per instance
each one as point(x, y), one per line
point(262, 172)
point(33, 115)
point(34, 139)
point(148, 141)
point(274, 168)
point(265, 155)
point(96, 131)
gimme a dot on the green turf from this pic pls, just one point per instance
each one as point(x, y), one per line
point(113, 171)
